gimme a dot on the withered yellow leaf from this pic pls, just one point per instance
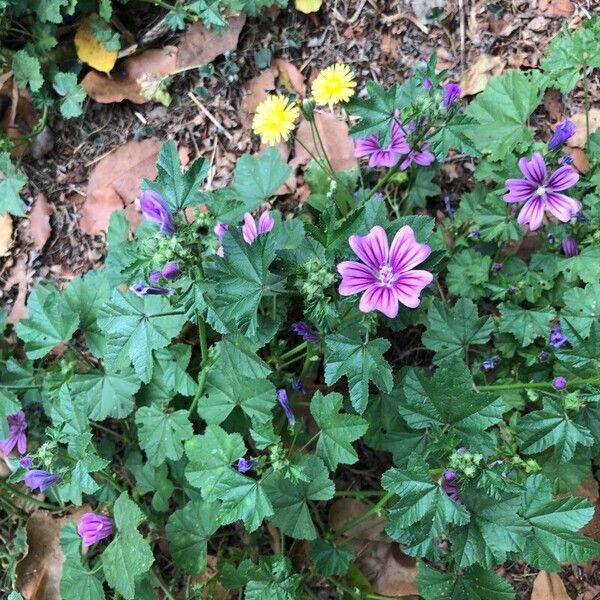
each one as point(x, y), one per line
point(90, 50)
point(308, 6)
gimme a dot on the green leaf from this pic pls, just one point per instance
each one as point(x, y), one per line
point(290, 498)
point(468, 270)
point(585, 266)
point(236, 352)
point(178, 187)
point(12, 182)
point(161, 434)
point(50, 10)
point(273, 580)
point(450, 331)
point(526, 324)
point(78, 482)
point(472, 584)
point(360, 362)
point(128, 556)
point(582, 307)
point(552, 426)
point(555, 524)
point(585, 353)
point(170, 376)
point(9, 405)
point(134, 327)
point(65, 85)
point(453, 135)
point(188, 530)
point(423, 512)
point(422, 187)
point(70, 412)
point(152, 479)
point(26, 70)
point(501, 112)
point(338, 431)
point(329, 559)
point(49, 321)
point(107, 394)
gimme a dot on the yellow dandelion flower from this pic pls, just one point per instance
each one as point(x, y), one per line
point(274, 119)
point(334, 84)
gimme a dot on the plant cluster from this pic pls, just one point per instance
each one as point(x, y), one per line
point(222, 366)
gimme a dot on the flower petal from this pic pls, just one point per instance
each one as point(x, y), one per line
point(372, 249)
point(563, 178)
point(534, 169)
point(424, 158)
point(383, 158)
point(249, 231)
point(356, 277)
point(561, 206)
point(406, 252)
point(381, 298)
point(410, 285)
point(519, 190)
point(532, 213)
point(266, 222)
point(366, 146)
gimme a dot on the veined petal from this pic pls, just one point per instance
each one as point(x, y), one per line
point(563, 178)
point(561, 206)
point(366, 146)
point(249, 231)
point(356, 277)
point(424, 158)
point(266, 222)
point(534, 169)
point(372, 248)
point(383, 158)
point(519, 190)
point(406, 252)
point(410, 285)
point(532, 213)
point(379, 298)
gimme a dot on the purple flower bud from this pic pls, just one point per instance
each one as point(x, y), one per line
point(544, 356)
point(557, 337)
point(511, 291)
point(171, 271)
point(144, 290)
point(154, 278)
point(245, 465)
point(450, 487)
point(297, 386)
point(26, 462)
point(427, 85)
point(93, 528)
point(305, 332)
point(474, 233)
point(563, 132)
point(566, 160)
point(282, 398)
point(42, 480)
point(488, 364)
point(448, 206)
point(569, 247)
point(155, 209)
point(17, 428)
point(559, 383)
point(550, 238)
point(452, 93)
point(496, 267)
point(249, 230)
point(220, 230)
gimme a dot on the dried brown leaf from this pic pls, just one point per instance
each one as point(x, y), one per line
point(18, 277)
point(476, 77)
point(553, 104)
point(290, 77)
point(255, 91)
point(557, 8)
point(39, 222)
point(579, 139)
point(96, 210)
point(6, 232)
point(344, 510)
point(549, 586)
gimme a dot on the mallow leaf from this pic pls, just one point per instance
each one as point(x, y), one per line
point(526, 324)
point(329, 559)
point(12, 182)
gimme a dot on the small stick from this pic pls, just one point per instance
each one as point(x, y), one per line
point(461, 9)
point(404, 15)
point(210, 116)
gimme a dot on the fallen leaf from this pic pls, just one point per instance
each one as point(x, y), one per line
point(339, 146)
point(96, 210)
point(19, 116)
point(200, 46)
point(90, 49)
point(344, 510)
point(6, 231)
point(548, 586)
point(308, 6)
point(211, 571)
point(18, 277)
point(553, 104)
point(290, 77)
point(579, 139)
point(556, 8)
point(255, 91)
point(389, 45)
point(580, 161)
point(476, 77)
point(39, 571)
point(124, 84)
point(39, 222)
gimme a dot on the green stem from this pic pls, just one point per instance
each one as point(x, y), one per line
point(373, 510)
point(293, 351)
point(289, 362)
point(381, 183)
point(11, 490)
point(21, 387)
point(586, 102)
point(201, 381)
point(80, 354)
point(312, 439)
point(536, 385)
point(202, 337)
point(319, 144)
point(160, 3)
point(161, 585)
point(110, 432)
point(359, 493)
point(166, 314)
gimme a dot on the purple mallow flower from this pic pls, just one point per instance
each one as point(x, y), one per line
point(249, 230)
point(569, 247)
point(297, 386)
point(420, 157)
point(171, 271)
point(564, 130)
point(559, 383)
point(220, 231)
point(155, 209)
point(387, 276)
point(383, 156)
point(154, 277)
point(557, 337)
point(449, 485)
point(26, 462)
point(244, 465)
point(17, 437)
point(42, 480)
point(305, 332)
point(139, 289)
point(540, 192)
point(282, 398)
point(427, 85)
point(452, 93)
point(488, 364)
point(93, 528)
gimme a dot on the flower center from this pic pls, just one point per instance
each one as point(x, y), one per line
point(386, 275)
point(541, 191)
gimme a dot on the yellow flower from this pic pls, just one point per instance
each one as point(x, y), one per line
point(274, 119)
point(334, 84)
point(308, 6)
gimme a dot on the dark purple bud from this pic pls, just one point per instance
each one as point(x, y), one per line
point(42, 480)
point(145, 290)
point(305, 332)
point(544, 356)
point(569, 247)
point(297, 386)
point(282, 398)
point(155, 209)
point(171, 271)
point(427, 85)
point(93, 528)
point(559, 383)
point(550, 238)
point(155, 277)
point(450, 487)
point(461, 450)
point(496, 267)
point(563, 132)
point(566, 160)
point(474, 233)
point(220, 230)
point(488, 364)
point(448, 206)
point(557, 337)
point(511, 291)
point(244, 465)
point(26, 462)
point(452, 93)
